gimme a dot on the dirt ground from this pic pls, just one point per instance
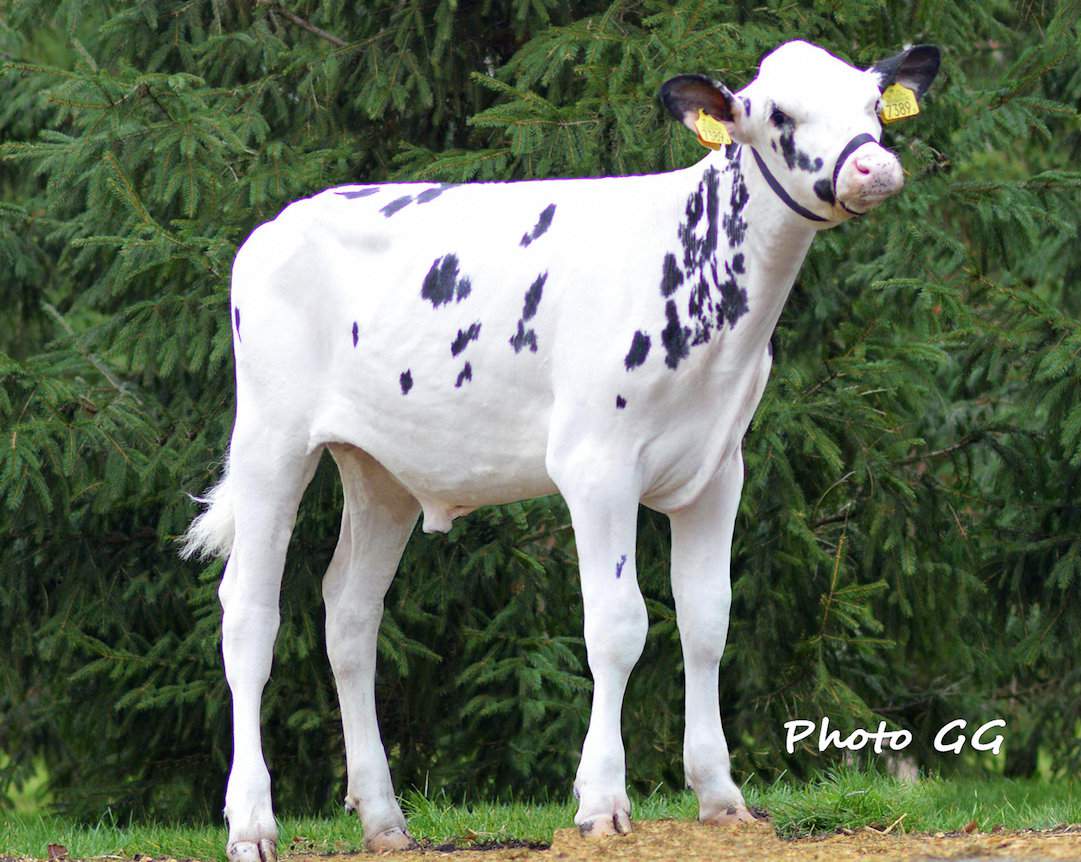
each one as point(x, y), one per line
point(677, 841)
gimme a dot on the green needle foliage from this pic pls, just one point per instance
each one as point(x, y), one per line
point(909, 543)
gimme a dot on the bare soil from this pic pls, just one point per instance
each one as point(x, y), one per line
point(682, 841)
point(679, 841)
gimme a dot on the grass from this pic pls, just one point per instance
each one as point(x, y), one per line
point(845, 799)
point(852, 800)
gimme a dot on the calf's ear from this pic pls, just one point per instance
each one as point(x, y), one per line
point(685, 95)
point(914, 68)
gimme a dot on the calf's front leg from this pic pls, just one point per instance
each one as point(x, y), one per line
point(701, 553)
point(604, 515)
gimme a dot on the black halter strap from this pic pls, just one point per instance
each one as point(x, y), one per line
point(781, 193)
point(849, 149)
point(772, 181)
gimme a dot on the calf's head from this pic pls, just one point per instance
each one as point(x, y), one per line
point(813, 123)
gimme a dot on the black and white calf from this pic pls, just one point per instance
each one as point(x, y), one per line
point(461, 346)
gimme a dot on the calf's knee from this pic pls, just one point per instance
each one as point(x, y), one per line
point(616, 633)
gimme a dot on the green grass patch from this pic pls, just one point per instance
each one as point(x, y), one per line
point(844, 799)
point(852, 800)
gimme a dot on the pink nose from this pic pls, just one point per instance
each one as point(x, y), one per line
point(869, 175)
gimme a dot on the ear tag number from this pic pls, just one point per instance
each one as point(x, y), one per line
point(711, 133)
point(898, 103)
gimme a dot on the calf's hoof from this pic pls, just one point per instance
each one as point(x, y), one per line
point(390, 840)
point(616, 823)
point(733, 815)
point(252, 851)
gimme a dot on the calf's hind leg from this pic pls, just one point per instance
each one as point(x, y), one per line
point(267, 479)
point(377, 518)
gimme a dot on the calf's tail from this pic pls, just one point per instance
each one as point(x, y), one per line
point(211, 533)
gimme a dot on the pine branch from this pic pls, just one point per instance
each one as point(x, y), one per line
point(144, 90)
point(967, 440)
point(304, 24)
point(114, 381)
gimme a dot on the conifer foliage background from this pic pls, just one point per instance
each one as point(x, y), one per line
point(909, 544)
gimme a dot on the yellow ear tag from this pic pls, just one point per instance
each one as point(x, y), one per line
point(898, 103)
point(711, 132)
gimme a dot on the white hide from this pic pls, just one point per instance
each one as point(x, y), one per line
point(514, 370)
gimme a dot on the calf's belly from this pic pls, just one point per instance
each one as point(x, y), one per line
point(453, 459)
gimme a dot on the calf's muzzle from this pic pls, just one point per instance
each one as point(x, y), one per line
point(866, 173)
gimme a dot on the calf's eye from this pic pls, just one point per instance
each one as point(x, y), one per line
point(779, 117)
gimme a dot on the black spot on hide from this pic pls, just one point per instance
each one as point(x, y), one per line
point(524, 338)
point(533, 296)
point(406, 381)
point(671, 275)
point(675, 337)
point(735, 227)
point(463, 338)
point(793, 155)
point(733, 301)
point(824, 189)
point(431, 194)
point(711, 300)
point(639, 350)
point(396, 204)
point(465, 374)
point(528, 337)
point(698, 249)
point(358, 193)
point(442, 284)
point(542, 225)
